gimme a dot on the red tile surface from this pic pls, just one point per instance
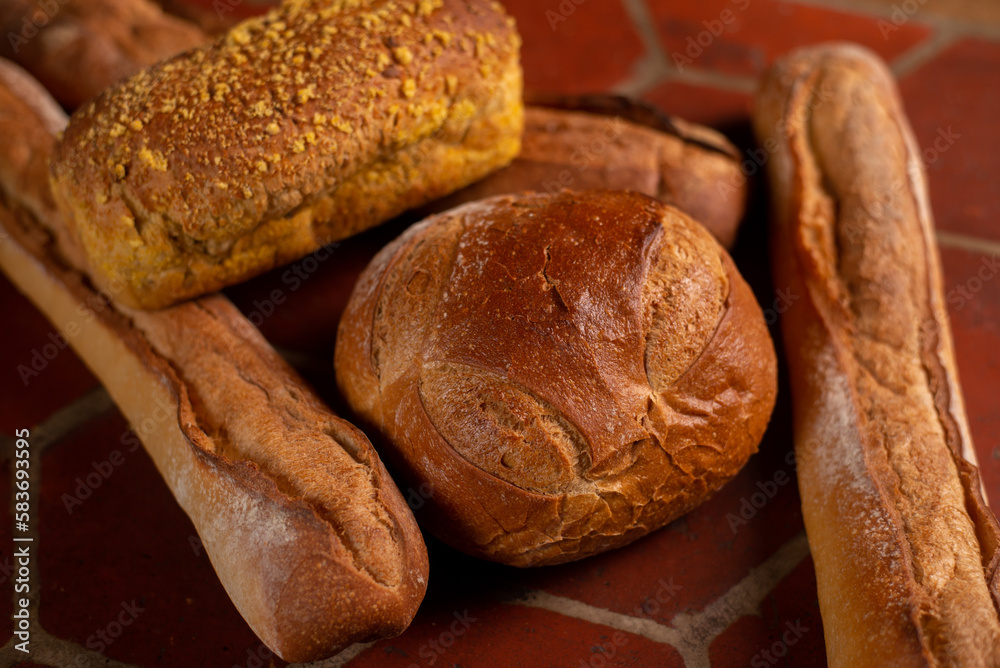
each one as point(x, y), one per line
point(788, 631)
point(514, 635)
point(571, 46)
point(794, 601)
point(730, 526)
point(744, 36)
point(952, 103)
point(7, 565)
point(972, 291)
point(129, 540)
point(701, 104)
point(731, 647)
point(38, 371)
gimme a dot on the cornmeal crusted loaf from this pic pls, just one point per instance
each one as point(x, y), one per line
point(304, 126)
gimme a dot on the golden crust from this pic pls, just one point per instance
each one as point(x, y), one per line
point(294, 129)
point(904, 545)
point(567, 373)
point(307, 532)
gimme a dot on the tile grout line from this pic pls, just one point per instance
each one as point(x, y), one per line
point(924, 52)
point(738, 83)
point(67, 419)
point(690, 634)
point(341, 659)
point(931, 19)
point(57, 652)
point(655, 69)
point(652, 69)
point(967, 243)
point(64, 421)
point(45, 648)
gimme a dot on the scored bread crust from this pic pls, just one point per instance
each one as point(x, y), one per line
point(904, 545)
point(565, 373)
point(295, 129)
point(308, 534)
point(606, 142)
point(84, 47)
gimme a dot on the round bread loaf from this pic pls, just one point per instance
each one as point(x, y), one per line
point(560, 374)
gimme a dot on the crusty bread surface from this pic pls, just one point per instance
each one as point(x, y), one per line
point(606, 142)
point(307, 532)
point(565, 372)
point(904, 545)
point(294, 129)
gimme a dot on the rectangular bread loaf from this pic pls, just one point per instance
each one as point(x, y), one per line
point(294, 129)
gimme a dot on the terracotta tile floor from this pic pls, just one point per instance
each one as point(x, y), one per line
point(700, 592)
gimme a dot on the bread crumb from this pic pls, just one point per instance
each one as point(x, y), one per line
point(273, 128)
point(120, 171)
point(402, 55)
point(307, 93)
point(341, 125)
point(136, 125)
point(154, 159)
point(261, 108)
point(409, 88)
point(261, 166)
point(427, 7)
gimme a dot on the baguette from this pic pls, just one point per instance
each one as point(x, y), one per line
point(78, 48)
point(905, 547)
point(295, 129)
point(307, 532)
point(604, 142)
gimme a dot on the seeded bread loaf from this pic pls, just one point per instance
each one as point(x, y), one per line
point(293, 130)
point(566, 372)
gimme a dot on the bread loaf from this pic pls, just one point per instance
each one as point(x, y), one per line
point(307, 532)
point(78, 48)
point(565, 372)
point(905, 547)
point(604, 142)
point(293, 130)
